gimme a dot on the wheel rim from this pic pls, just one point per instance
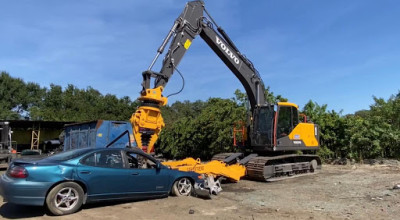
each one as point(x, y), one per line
point(66, 199)
point(184, 187)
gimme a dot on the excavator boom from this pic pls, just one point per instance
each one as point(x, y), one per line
point(147, 121)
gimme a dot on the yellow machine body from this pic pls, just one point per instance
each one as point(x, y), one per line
point(306, 133)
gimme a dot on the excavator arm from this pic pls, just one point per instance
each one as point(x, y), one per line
point(147, 121)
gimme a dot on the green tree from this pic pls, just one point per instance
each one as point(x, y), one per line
point(331, 126)
point(17, 97)
point(204, 134)
point(377, 132)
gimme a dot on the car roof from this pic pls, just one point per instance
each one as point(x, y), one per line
point(131, 150)
point(134, 150)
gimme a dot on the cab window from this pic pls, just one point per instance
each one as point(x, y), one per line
point(284, 121)
point(287, 120)
point(137, 161)
point(110, 159)
point(295, 117)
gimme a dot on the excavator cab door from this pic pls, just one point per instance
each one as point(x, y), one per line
point(286, 119)
point(263, 126)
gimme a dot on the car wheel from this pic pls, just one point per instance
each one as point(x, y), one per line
point(182, 187)
point(65, 198)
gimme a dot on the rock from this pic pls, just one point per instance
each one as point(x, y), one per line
point(341, 161)
point(390, 162)
point(191, 211)
point(370, 161)
point(328, 161)
point(397, 186)
point(381, 161)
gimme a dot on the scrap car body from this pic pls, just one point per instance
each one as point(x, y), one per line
point(100, 174)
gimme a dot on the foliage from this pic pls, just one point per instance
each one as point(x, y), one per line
point(366, 134)
point(271, 98)
point(16, 96)
point(378, 133)
point(20, 99)
point(204, 134)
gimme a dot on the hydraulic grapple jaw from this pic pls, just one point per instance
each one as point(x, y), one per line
point(147, 121)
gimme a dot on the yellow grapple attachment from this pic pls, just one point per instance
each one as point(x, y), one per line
point(147, 121)
point(215, 168)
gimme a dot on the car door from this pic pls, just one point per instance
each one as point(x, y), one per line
point(145, 179)
point(105, 175)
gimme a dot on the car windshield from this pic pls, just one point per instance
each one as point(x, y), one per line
point(67, 155)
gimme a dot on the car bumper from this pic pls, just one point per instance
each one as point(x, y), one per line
point(201, 191)
point(23, 192)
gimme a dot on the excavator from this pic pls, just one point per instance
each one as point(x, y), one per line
point(278, 145)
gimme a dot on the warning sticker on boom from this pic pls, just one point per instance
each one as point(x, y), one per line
point(187, 44)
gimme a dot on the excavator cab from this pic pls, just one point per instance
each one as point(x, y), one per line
point(277, 128)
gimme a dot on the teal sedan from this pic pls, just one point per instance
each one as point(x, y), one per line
point(65, 181)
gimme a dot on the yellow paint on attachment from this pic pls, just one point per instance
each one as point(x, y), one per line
point(148, 117)
point(305, 132)
point(187, 44)
point(214, 168)
point(154, 95)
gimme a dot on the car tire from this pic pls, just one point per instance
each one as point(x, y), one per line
point(65, 198)
point(182, 187)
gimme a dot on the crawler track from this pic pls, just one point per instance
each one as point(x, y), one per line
point(282, 167)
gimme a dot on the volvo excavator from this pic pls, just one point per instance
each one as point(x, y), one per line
point(275, 135)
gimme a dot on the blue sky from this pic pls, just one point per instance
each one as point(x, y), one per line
point(339, 53)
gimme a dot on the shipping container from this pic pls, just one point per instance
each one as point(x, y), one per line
point(97, 134)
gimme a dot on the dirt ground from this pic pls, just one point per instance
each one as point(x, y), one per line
point(336, 192)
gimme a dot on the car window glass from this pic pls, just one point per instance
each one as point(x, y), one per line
point(138, 161)
point(111, 159)
point(67, 155)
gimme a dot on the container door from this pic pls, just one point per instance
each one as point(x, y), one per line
point(117, 128)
